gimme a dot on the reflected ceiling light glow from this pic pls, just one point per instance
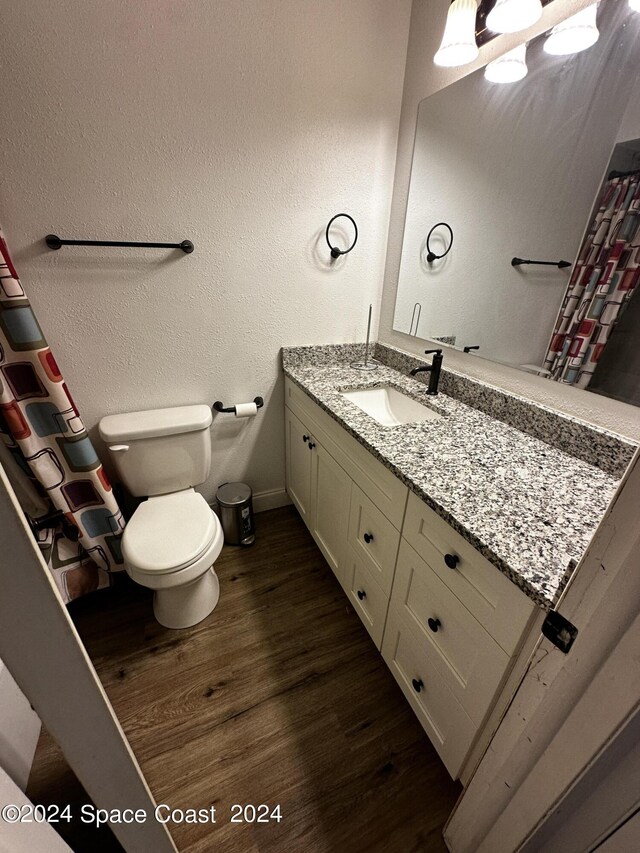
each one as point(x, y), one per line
point(510, 16)
point(634, 5)
point(575, 34)
point(508, 68)
point(458, 45)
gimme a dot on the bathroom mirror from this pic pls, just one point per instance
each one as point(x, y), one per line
point(518, 170)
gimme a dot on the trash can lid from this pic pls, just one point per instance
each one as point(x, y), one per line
point(232, 494)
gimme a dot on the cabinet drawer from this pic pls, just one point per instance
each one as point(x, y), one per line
point(369, 600)
point(500, 607)
point(470, 661)
point(449, 728)
point(377, 482)
point(374, 539)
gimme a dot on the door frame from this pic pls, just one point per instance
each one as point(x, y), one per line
point(46, 657)
point(558, 723)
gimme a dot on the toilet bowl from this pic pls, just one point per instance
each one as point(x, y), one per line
point(170, 545)
point(173, 538)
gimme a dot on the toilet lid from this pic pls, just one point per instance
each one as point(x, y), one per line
point(168, 532)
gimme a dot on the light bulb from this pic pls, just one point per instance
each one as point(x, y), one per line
point(458, 45)
point(575, 34)
point(508, 68)
point(510, 16)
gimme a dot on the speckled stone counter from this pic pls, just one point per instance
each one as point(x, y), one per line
point(528, 507)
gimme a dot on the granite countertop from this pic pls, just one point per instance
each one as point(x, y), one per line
point(527, 506)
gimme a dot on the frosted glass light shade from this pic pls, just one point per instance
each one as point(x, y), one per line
point(575, 34)
point(508, 68)
point(458, 45)
point(510, 16)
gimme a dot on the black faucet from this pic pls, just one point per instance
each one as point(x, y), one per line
point(433, 370)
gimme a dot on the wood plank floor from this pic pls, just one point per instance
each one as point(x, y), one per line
point(279, 697)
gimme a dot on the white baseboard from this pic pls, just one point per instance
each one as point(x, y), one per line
point(270, 500)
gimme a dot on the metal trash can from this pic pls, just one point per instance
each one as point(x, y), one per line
point(236, 513)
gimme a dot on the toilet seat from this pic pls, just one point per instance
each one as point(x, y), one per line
point(168, 533)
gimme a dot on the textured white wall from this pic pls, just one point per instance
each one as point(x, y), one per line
point(423, 78)
point(243, 125)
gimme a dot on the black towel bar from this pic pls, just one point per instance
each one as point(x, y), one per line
point(55, 242)
point(516, 262)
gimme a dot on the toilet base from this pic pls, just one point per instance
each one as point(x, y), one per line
point(185, 606)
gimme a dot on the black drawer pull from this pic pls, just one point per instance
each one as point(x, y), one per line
point(434, 624)
point(417, 684)
point(368, 537)
point(361, 594)
point(306, 438)
point(451, 560)
point(311, 445)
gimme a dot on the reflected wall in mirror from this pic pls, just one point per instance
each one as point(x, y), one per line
point(520, 170)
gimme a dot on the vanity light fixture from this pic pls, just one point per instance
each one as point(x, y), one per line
point(510, 16)
point(458, 46)
point(575, 34)
point(508, 68)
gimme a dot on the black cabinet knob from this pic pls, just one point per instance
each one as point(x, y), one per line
point(311, 445)
point(434, 624)
point(305, 438)
point(417, 684)
point(451, 560)
point(361, 594)
point(368, 537)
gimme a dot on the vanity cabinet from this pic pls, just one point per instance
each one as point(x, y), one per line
point(446, 621)
point(352, 505)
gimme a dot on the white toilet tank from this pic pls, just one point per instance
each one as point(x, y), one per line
point(160, 451)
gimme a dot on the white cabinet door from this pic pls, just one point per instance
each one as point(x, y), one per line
point(331, 488)
point(299, 463)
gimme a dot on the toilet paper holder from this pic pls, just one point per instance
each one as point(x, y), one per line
point(231, 410)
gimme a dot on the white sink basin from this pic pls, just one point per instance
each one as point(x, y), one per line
point(390, 407)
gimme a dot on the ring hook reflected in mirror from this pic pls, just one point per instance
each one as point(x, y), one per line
point(431, 255)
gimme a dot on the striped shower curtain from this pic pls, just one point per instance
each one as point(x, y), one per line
point(42, 429)
point(603, 280)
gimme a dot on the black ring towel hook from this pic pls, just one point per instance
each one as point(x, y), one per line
point(335, 252)
point(431, 256)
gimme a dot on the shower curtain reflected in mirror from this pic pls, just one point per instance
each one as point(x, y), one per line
point(602, 283)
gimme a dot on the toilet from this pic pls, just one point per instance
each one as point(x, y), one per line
point(173, 539)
